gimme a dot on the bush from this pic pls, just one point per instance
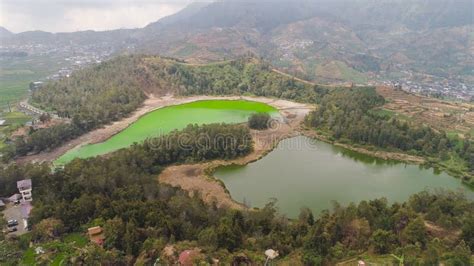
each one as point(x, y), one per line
point(259, 121)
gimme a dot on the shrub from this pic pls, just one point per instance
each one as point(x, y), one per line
point(259, 121)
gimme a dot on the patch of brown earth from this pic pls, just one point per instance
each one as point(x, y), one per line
point(441, 233)
point(439, 114)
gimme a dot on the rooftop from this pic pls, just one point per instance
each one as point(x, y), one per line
point(26, 183)
point(96, 235)
point(94, 230)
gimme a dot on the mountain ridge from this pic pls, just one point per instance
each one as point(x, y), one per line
point(364, 38)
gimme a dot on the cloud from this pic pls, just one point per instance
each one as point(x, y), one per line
point(66, 16)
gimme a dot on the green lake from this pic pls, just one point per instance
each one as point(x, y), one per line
point(167, 119)
point(302, 172)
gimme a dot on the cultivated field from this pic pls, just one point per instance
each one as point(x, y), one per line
point(452, 117)
point(17, 73)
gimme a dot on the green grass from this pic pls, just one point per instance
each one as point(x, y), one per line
point(187, 50)
point(351, 74)
point(29, 257)
point(13, 121)
point(57, 251)
point(452, 135)
point(78, 239)
point(58, 260)
point(382, 112)
point(454, 163)
point(15, 118)
point(17, 73)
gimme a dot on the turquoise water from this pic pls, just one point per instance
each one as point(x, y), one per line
point(165, 120)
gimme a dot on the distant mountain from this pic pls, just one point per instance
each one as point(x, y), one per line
point(327, 40)
point(4, 32)
point(182, 15)
point(323, 40)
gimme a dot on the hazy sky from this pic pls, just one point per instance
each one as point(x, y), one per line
point(74, 15)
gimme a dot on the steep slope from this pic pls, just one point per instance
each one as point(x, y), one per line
point(363, 39)
point(369, 39)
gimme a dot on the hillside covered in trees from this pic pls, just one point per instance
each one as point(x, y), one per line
point(96, 96)
point(109, 91)
point(347, 115)
point(142, 217)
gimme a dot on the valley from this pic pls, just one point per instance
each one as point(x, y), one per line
point(305, 132)
point(157, 104)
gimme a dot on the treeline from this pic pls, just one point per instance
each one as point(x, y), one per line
point(110, 91)
point(140, 217)
point(42, 140)
point(243, 76)
point(96, 95)
point(347, 114)
point(409, 229)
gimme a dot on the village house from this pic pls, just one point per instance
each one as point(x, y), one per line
point(96, 235)
point(24, 186)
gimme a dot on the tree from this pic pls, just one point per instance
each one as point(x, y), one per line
point(48, 229)
point(131, 239)
point(382, 241)
point(306, 216)
point(468, 231)
point(45, 118)
point(228, 237)
point(114, 230)
point(259, 121)
point(415, 232)
point(312, 258)
point(461, 255)
point(208, 237)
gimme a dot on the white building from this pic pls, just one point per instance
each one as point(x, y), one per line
point(24, 186)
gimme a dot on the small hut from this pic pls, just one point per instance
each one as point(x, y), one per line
point(96, 235)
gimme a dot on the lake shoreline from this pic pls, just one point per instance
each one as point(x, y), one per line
point(152, 103)
point(377, 153)
point(198, 178)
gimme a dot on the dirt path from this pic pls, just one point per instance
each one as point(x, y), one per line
point(150, 104)
point(293, 77)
